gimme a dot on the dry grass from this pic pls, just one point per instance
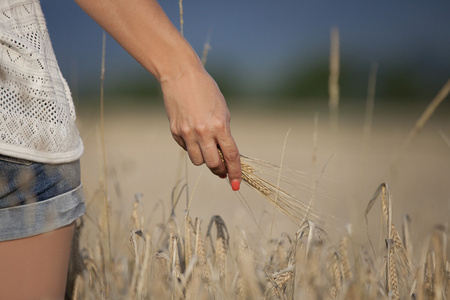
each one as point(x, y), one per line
point(268, 180)
point(167, 262)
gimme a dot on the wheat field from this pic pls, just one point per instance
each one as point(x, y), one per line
point(372, 222)
point(345, 202)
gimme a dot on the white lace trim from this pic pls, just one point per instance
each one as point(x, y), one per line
point(37, 116)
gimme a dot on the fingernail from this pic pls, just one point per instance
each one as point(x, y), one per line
point(223, 176)
point(235, 185)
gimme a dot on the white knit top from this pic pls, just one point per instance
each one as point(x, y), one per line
point(37, 116)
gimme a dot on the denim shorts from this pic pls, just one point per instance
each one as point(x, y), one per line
point(36, 198)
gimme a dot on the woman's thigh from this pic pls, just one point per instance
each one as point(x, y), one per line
point(38, 205)
point(35, 267)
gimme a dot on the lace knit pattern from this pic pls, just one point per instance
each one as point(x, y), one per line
point(37, 116)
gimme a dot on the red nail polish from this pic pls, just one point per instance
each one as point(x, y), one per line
point(235, 185)
point(223, 176)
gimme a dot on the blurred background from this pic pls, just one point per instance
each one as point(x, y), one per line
point(279, 50)
point(270, 59)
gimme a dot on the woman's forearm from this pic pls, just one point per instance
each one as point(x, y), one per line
point(142, 28)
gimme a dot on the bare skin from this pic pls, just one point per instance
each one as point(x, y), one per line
point(35, 267)
point(198, 115)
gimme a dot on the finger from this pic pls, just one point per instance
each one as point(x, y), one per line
point(179, 141)
point(232, 159)
point(213, 160)
point(195, 154)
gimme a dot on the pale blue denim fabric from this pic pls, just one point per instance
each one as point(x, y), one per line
point(36, 198)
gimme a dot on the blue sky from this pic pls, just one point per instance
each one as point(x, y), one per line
point(256, 39)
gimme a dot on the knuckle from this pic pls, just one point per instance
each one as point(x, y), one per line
point(214, 166)
point(201, 129)
point(196, 157)
point(220, 125)
point(185, 130)
point(231, 155)
point(174, 130)
point(197, 162)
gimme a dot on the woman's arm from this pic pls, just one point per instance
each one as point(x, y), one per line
point(198, 115)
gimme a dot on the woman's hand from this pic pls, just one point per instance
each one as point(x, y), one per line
point(200, 123)
point(199, 118)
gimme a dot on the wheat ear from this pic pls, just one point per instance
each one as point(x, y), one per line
point(254, 173)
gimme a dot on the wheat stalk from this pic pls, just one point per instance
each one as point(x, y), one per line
point(257, 175)
point(241, 288)
point(220, 247)
point(187, 239)
point(333, 80)
point(400, 251)
point(337, 274)
point(438, 241)
point(427, 113)
point(144, 269)
point(248, 283)
point(76, 287)
point(200, 250)
point(347, 272)
point(392, 275)
point(407, 238)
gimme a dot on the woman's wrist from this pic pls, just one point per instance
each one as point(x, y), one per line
point(174, 68)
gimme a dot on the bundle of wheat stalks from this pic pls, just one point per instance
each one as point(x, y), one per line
point(266, 179)
point(171, 261)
